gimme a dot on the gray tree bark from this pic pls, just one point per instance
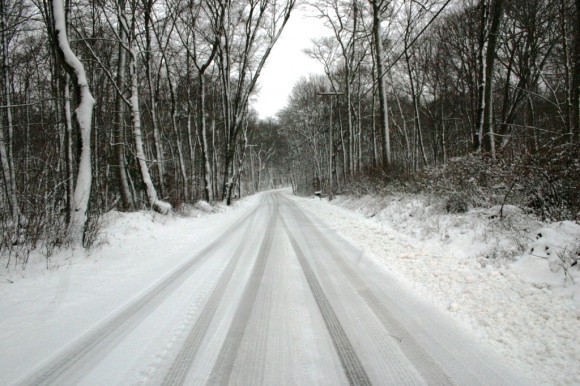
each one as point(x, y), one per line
point(383, 107)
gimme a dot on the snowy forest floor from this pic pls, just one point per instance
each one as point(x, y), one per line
point(507, 281)
point(503, 280)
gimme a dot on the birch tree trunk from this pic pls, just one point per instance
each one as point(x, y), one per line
point(155, 203)
point(207, 173)
point(158, 146)
point(68, 149)
point(84, 116)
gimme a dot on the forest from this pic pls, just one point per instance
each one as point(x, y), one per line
point(146, 104)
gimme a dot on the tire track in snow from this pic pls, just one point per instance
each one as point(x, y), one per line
point(222, 370)
point(178, 371)
point(351, 364)
point(423, 362)
point(77, 359)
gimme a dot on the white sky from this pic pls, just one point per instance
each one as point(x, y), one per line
point(287, 63)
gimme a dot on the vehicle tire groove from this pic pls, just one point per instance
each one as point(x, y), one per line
point(222, 370)
point(91, 347)
point(182, 363)
point(351, 364)
point(423, 362)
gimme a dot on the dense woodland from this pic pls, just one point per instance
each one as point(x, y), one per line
point(494, 78)
point(132, 104)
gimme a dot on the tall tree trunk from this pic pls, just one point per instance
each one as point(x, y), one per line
point(490, 24)
point(359, 137)
point(576, 78)
point(214, 159)
point(68, 149)
point(374, 128)
point(191, 142)
point(174, 126)
point(191, 139)
point(496, 16)
point(154, 202)
point(84, 116)
point(158, 146)
point(207, 173)
point(480, 118)
point(6, 154)
point(410, 160)
point(331, 168)
point(351, 135)
point(119, 136)
point(569, 106)
point(419, 145)
point(383, 108)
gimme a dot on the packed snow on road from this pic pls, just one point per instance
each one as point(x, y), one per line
point(285, 290)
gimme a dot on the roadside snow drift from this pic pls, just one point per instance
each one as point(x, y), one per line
point(513, 282)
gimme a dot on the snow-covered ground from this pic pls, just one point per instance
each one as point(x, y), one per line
point(508, 282)
point(503, 281)
point(41, 310)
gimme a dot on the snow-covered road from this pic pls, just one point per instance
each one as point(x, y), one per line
point(274, 298)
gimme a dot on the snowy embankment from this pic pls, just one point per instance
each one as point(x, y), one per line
point(503, 280)
point(44, 310)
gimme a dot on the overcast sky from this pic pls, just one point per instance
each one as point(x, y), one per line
point(287, 63)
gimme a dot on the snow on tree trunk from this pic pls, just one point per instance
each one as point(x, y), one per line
point(157, 205)
point(207, 172)
point(68, 150)
point(84, 115)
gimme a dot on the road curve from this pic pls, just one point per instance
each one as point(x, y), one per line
point(289, 303)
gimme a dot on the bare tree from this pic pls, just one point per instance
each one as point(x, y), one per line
point(84, 115)
point(576, 77)
point(148, 14)
point(9, 15)
point(121, 103)
point(131, 23)
point(253, 28)
point(379, 7)
point(200, 30)
point(491, 16)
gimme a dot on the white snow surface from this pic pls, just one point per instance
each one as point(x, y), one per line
point(508, 282)
point(43, 310)
point(498, 282)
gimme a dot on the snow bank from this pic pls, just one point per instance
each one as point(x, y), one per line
point(204, 206)
point(200, 208)
point(551, 260)
point(487, 273)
